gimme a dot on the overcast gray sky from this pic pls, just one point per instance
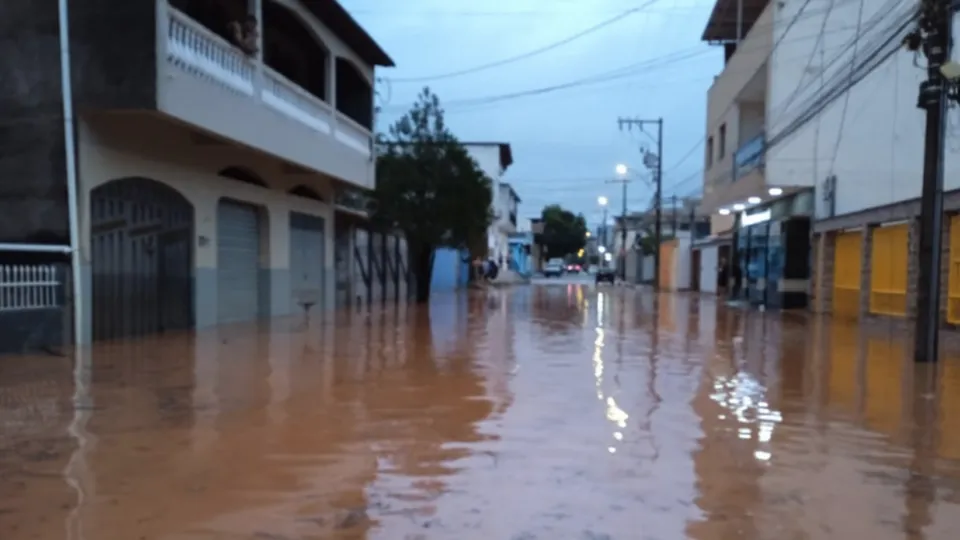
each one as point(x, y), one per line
point(565, 141)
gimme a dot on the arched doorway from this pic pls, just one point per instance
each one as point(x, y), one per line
point(141, 247)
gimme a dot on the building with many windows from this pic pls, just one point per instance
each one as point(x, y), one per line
point(222, 149)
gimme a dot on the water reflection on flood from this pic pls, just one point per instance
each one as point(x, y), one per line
point(543, 412)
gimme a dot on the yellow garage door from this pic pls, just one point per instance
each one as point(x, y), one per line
point(667, 250)
point(848, 256)
point(888, 271)
point(953, 287)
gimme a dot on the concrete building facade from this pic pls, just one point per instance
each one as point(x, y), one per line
point(223, 181)
point(494, 159)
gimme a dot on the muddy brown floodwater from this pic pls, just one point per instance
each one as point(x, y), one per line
point(535, 413)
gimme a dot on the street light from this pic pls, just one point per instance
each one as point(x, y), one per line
point(602, 249)
point(621, 169)
point(602, 201)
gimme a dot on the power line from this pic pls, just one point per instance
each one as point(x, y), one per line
point(583, 33)
point(883, 13)
point(623, 72)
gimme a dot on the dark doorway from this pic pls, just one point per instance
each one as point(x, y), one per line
point(695, 270)
point(142, 259)
point(354, 94)
point(724, 272)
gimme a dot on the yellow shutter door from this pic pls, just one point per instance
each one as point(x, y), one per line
point(848, 255)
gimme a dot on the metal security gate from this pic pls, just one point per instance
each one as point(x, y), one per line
point(343, 263)
point(377, 275)
point(238, 262)
point(141, 258)
point(403, 269)
point(306, 260)
point(363, 275)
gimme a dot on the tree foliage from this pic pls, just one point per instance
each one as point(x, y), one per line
point(564, 233)
point(429, 187)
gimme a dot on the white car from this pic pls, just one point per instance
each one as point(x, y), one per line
point(553, 269)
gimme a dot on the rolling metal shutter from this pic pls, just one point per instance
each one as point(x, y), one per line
point(238, 262)
point(306, 260)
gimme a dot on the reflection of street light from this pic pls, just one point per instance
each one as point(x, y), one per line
point(621, 169)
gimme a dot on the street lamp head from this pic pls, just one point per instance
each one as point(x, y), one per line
point(621, 169)
point(602, 249)
point(588, 234)
point(602, 200)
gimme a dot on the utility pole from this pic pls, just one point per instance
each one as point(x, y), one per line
point(624, 180)
point(932, 36)
point(654, 162)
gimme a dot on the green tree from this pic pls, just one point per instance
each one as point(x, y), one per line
point(564, 232)
point(430, 188)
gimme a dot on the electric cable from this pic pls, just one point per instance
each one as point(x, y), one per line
point(872, 61)
point(622, 72)
point(846, 96)
point(535, 52)
point(883, 13)
point(813, 51)
point(773, 49)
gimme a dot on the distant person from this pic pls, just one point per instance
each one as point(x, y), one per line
point(492, 270)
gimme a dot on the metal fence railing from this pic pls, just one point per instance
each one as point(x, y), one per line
point(27, 287)
point(35, 312)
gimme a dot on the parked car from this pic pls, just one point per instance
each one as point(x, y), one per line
point(573, 268)
point(606, 274)
point(553, 269)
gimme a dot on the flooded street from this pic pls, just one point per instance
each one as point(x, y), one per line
point(542, 412)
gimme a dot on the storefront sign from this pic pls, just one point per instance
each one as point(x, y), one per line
point(747, 220)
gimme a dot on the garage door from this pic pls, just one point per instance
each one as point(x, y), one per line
point(306, 259)
point(238, 262)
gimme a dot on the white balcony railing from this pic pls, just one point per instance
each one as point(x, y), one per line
point(290, 99)
point(193, 49)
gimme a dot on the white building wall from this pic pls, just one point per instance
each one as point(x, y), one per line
point(877, 157)
point(681, 262)
point(709, 261)
point(487, 157)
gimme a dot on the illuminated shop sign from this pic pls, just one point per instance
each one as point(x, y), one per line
point(747, 220)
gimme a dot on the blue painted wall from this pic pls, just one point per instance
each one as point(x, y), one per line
point(450, 272)
point(518, 253)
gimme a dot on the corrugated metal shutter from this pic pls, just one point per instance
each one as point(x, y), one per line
point(848, 254)
point(306, 259)
point(238, 262)
point(888, 270)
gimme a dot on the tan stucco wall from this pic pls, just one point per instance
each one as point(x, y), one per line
point(119, 146)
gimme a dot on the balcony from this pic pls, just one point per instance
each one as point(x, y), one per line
point(749, 156)
point(206, 81)
point(744, 79)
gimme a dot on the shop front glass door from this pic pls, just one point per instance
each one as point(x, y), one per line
point(757, 264)
point(775, 255)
